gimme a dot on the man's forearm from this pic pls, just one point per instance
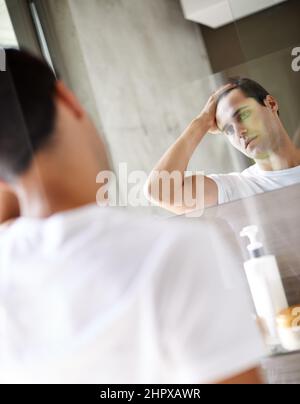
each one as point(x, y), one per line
point(167, 191)
point(179, 154)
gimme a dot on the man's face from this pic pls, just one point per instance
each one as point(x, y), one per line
point(250, 127)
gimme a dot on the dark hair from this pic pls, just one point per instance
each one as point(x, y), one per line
point(27, 111)
point(249, 88)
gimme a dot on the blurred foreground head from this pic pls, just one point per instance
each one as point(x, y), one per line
point(50, 151)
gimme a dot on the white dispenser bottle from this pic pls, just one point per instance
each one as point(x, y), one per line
point(265, 284)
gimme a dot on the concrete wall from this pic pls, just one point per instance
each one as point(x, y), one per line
point(141, 69)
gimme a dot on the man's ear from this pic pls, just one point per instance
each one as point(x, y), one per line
point(68, 98)
point(9, 205)
point(4, 186)
point(270, 102)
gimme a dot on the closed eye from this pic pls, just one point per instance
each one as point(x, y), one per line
point(243, 115)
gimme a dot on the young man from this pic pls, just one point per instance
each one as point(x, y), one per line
point(248, 116)
point(93, 294)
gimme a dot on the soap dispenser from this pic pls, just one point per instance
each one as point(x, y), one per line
point(265, 284)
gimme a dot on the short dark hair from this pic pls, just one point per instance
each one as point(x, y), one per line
point(249, 88)
point(27, 111)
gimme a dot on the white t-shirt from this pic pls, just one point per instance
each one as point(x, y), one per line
point(96, 295)
point(253, 181)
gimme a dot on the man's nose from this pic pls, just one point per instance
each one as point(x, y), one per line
point(240, 131)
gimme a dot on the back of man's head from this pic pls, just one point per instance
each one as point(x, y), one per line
point(27, 111)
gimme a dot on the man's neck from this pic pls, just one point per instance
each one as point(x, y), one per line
point(286, 156)
point(45, 197)
point(43, 208)
point(276, 162)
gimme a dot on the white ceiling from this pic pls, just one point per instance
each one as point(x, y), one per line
point(215, 13)
point(7, 35)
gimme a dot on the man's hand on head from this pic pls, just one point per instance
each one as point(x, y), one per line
point(208, 114)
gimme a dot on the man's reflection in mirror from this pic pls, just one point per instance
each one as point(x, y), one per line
point(244, 112)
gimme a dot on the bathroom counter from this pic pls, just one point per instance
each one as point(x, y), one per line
point(277, 215)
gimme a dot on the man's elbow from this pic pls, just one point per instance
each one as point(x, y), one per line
point(148, 191)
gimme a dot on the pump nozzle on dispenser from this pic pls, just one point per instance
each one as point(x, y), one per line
point(255, 247)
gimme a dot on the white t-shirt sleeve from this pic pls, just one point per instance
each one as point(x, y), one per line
point(230, 186)
point(208, 328)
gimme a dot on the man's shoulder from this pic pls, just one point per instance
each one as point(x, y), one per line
point(164, 237)
point(251, 170)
